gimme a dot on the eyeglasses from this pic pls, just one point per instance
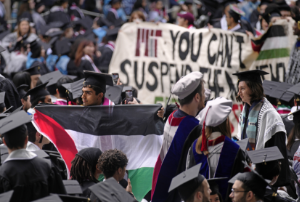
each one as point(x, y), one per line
point(233, 191)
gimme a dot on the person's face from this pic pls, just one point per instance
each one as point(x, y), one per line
point(181, 22)
point(238, 194)
point(229, 20)
point(31, 4)
point(69, 32)
point(214, 198)
point(285, 14)
point(244, 92)
point(24, 27)
point(89, 50)
point(136, 18)
point(206, 191)
point(89, 97)
point(262, 9)
point(159, 5)
point(202, 99)
point(26, 104)
point(48, 99)
point(65, 5)
point(117, 5)
point(34, 80)
point(296, 29)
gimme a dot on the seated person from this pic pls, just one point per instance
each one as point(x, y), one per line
point(84, 168)
point(40, 179)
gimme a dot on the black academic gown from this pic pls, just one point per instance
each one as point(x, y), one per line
point(60, 16)
point(30, 179)
point(85, 188)
point(117, 22)
point(292, 151)
point(78, 71)
point(11, 94)
point(278, 139)
point(271, 196)
point(104, 61)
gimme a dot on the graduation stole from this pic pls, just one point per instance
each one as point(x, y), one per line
point(251, 123)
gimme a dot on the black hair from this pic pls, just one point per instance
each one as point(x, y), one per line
point(297, 97)
point(36, 51)
point(95, 88)
point(272, 100)
point(81, 171)
point(31, 132)
point(110, 161)
point(60, 88)
point(269, 170)
point(191, 198)
point(37, 100)
point(138, 4)
point(22, 78)
point(190, 97)
point(15, 139)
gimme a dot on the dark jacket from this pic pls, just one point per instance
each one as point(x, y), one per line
point(78, 71)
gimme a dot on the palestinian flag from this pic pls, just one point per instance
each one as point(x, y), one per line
point(134, 129)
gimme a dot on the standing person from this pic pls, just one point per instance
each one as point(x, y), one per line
point(83, 60)
point(190, 92)
point(186, 20)
point(85, 170)
point(40, 179)
point(25, 100)
point(259, 120)
point(293, 66)
point(112, 15)
point(94, 88)
point(214, 149)
point(233, 19)
point(140, 5)
point(58, 12)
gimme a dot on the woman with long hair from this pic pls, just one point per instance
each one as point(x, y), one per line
point(84, 168)
point(83, 59)
point(219, 155)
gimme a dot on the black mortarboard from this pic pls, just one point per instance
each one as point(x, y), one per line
point(2, 99)
point(283, 6)
point(265, 155)
point(37, 92)
point(51, 198)
point(295, 89)
point(281, 93)
point(213, 184)
point(270, 86)
point(114, 93)
point(68, 198)
point(85, 22)
point(270, 12)
point(112, 34)
point(243, 144)
point(21, 90)
point(98, 79)
point(187, 182)
point(41, 153)
point(63, 47)
point(51, 78)
point(110, 190)
point(35, 69)
point(251, 75)
point(6, 196)
point(72, 187)
point(13, 121)
point(236, 13)
point(103, 22)
point(74, 89)
point(4, 115)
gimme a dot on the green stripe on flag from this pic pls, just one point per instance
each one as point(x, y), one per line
point(141, 181)
point(273, 53)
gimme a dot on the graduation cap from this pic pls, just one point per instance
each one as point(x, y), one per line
point(85, 22)
point(110, 190)
point(21, 90)
point(251, 75)
point(98, 79)
point(243, 144)
point(13, 121)
point(72, 187)
point(34, 69)
point(214, 186)
point(283, 6)
point(51, 198)
point(114, 93)
point(236, 13)
point(6, 196)
point(63, 47)
point(2, 100)
point(270, 12)
point(270, 86)
point(295, 89)
point(103, 22)
point(265, 155)
point(281, 93)
point(51, 78)
point(187, 182)
point(112, 34)
point(215, 113)
point(37, 92)
point(74, 89)
point(3, 115)
point(68, 198)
